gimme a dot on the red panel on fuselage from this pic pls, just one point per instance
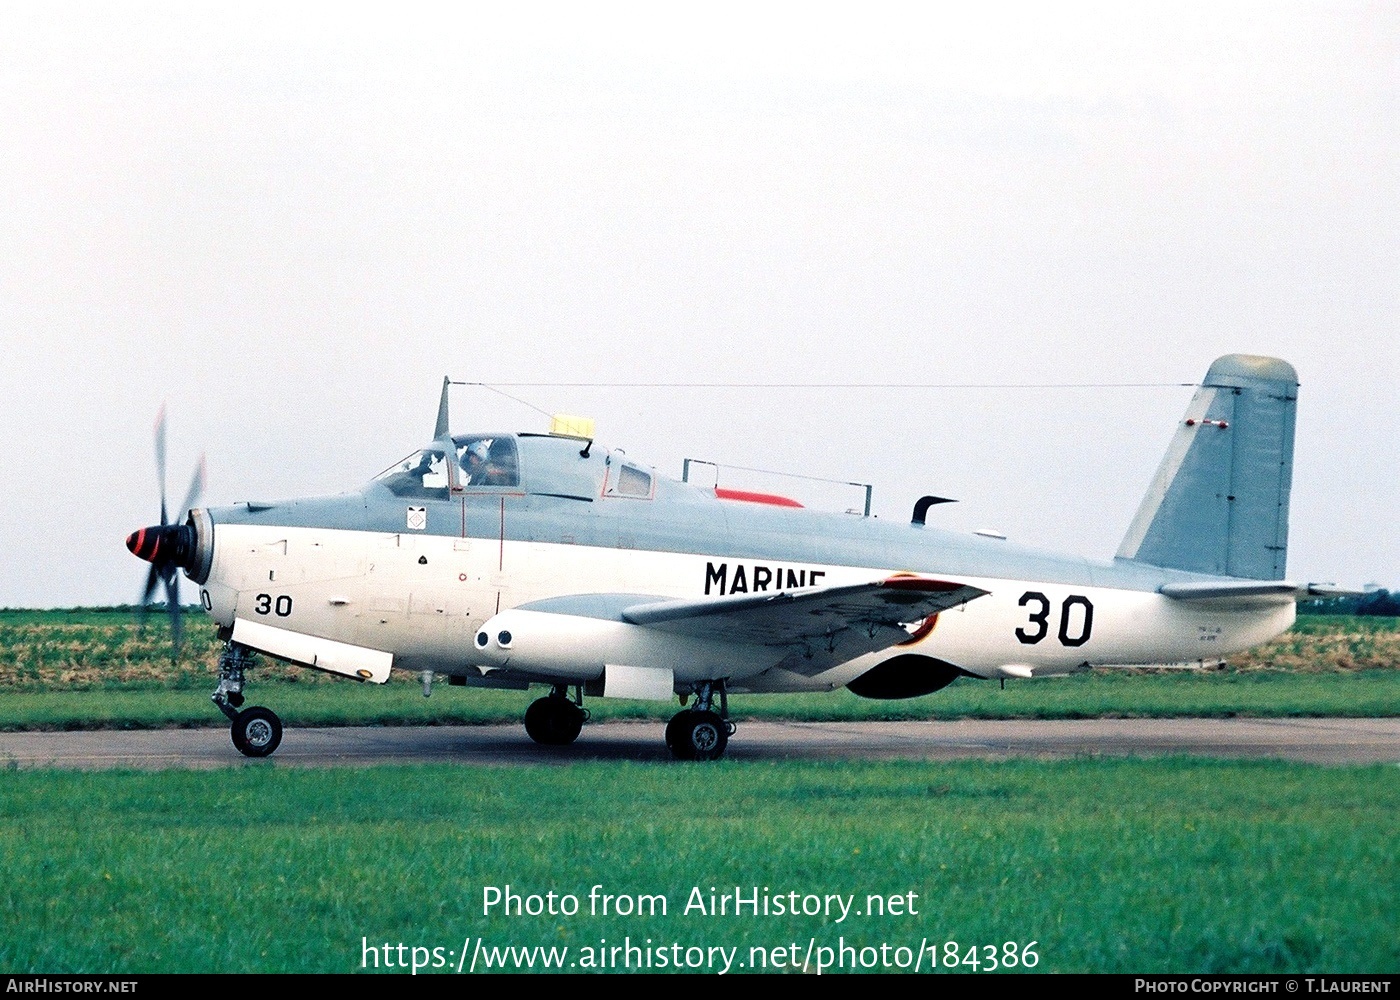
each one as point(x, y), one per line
point(750, 497)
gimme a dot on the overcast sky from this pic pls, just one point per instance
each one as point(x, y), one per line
point(290, 221)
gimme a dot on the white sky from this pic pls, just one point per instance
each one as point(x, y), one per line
point(291, 223)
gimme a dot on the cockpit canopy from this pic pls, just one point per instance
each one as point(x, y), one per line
point(473, 461)
point(543, 464)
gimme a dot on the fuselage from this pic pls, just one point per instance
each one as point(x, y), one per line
point(415, 572)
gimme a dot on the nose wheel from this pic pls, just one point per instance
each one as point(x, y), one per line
point(256, 731)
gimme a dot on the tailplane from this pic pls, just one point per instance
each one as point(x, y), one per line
point(1219, 502)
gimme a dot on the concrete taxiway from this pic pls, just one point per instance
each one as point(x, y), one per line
point(1321, 741)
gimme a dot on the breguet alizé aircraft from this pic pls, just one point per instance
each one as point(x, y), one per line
point(504, 560)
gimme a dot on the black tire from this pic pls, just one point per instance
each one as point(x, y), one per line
point(553, 722)
point(675, 730)
point(695, 735)
point(256, 731)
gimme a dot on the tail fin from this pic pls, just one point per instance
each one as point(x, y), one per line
point(1219, 502)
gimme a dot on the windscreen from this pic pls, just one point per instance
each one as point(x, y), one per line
point(422, 474)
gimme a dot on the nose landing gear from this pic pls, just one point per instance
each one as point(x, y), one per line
point(256, 731)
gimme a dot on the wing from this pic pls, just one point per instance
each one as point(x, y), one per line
point(822, 626)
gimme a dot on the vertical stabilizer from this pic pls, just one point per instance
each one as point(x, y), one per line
point(1219, 502)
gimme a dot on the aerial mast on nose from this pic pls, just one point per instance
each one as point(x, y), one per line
point(441, 431)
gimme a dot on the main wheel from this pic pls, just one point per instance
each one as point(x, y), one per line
point(553, 721)
point(256, 731)
point(675, 730)
point(695, 735)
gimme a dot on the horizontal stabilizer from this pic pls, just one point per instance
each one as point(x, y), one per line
point(1279, 591)
point(1251, 592)
point(1332, 590)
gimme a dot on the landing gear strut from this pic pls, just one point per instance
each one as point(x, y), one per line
point(700, 733)
point(256, 731)
point(555, 720)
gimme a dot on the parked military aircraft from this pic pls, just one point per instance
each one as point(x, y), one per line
point(504, 560)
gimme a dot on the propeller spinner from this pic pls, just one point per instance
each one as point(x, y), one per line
point(168, 547)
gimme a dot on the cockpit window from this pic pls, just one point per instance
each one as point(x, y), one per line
point(629, 481)
point(485, 461)
point(422, 474)
point(633, 482)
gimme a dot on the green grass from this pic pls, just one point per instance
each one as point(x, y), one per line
point(1117, 865)
point(86, 668)
point(1116, 694)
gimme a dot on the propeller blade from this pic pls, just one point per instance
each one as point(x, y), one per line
point(160, 460)
point(168, 547)
point(152, 578)
point(172, 603)
point(196, 488)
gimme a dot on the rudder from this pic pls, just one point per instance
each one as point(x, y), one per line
point(1219, 501)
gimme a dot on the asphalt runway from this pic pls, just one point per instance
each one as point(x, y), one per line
point(1320, 741)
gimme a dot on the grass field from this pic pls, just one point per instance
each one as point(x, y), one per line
point(1110, 865)
point(1364, 694)
point(1168, 865)
point(93, 669)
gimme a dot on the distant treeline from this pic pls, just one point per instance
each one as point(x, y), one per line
point(1373, 602)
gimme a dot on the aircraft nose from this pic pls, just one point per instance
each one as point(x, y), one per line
point(166, 545)
point(141, 544)
point(149, 543)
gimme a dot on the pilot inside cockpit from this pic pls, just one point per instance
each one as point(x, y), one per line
point(486, 462)
point(474, 458)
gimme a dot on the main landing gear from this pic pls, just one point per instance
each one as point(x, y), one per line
point(700, 733)
point(256, 731)
point(555, 720)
